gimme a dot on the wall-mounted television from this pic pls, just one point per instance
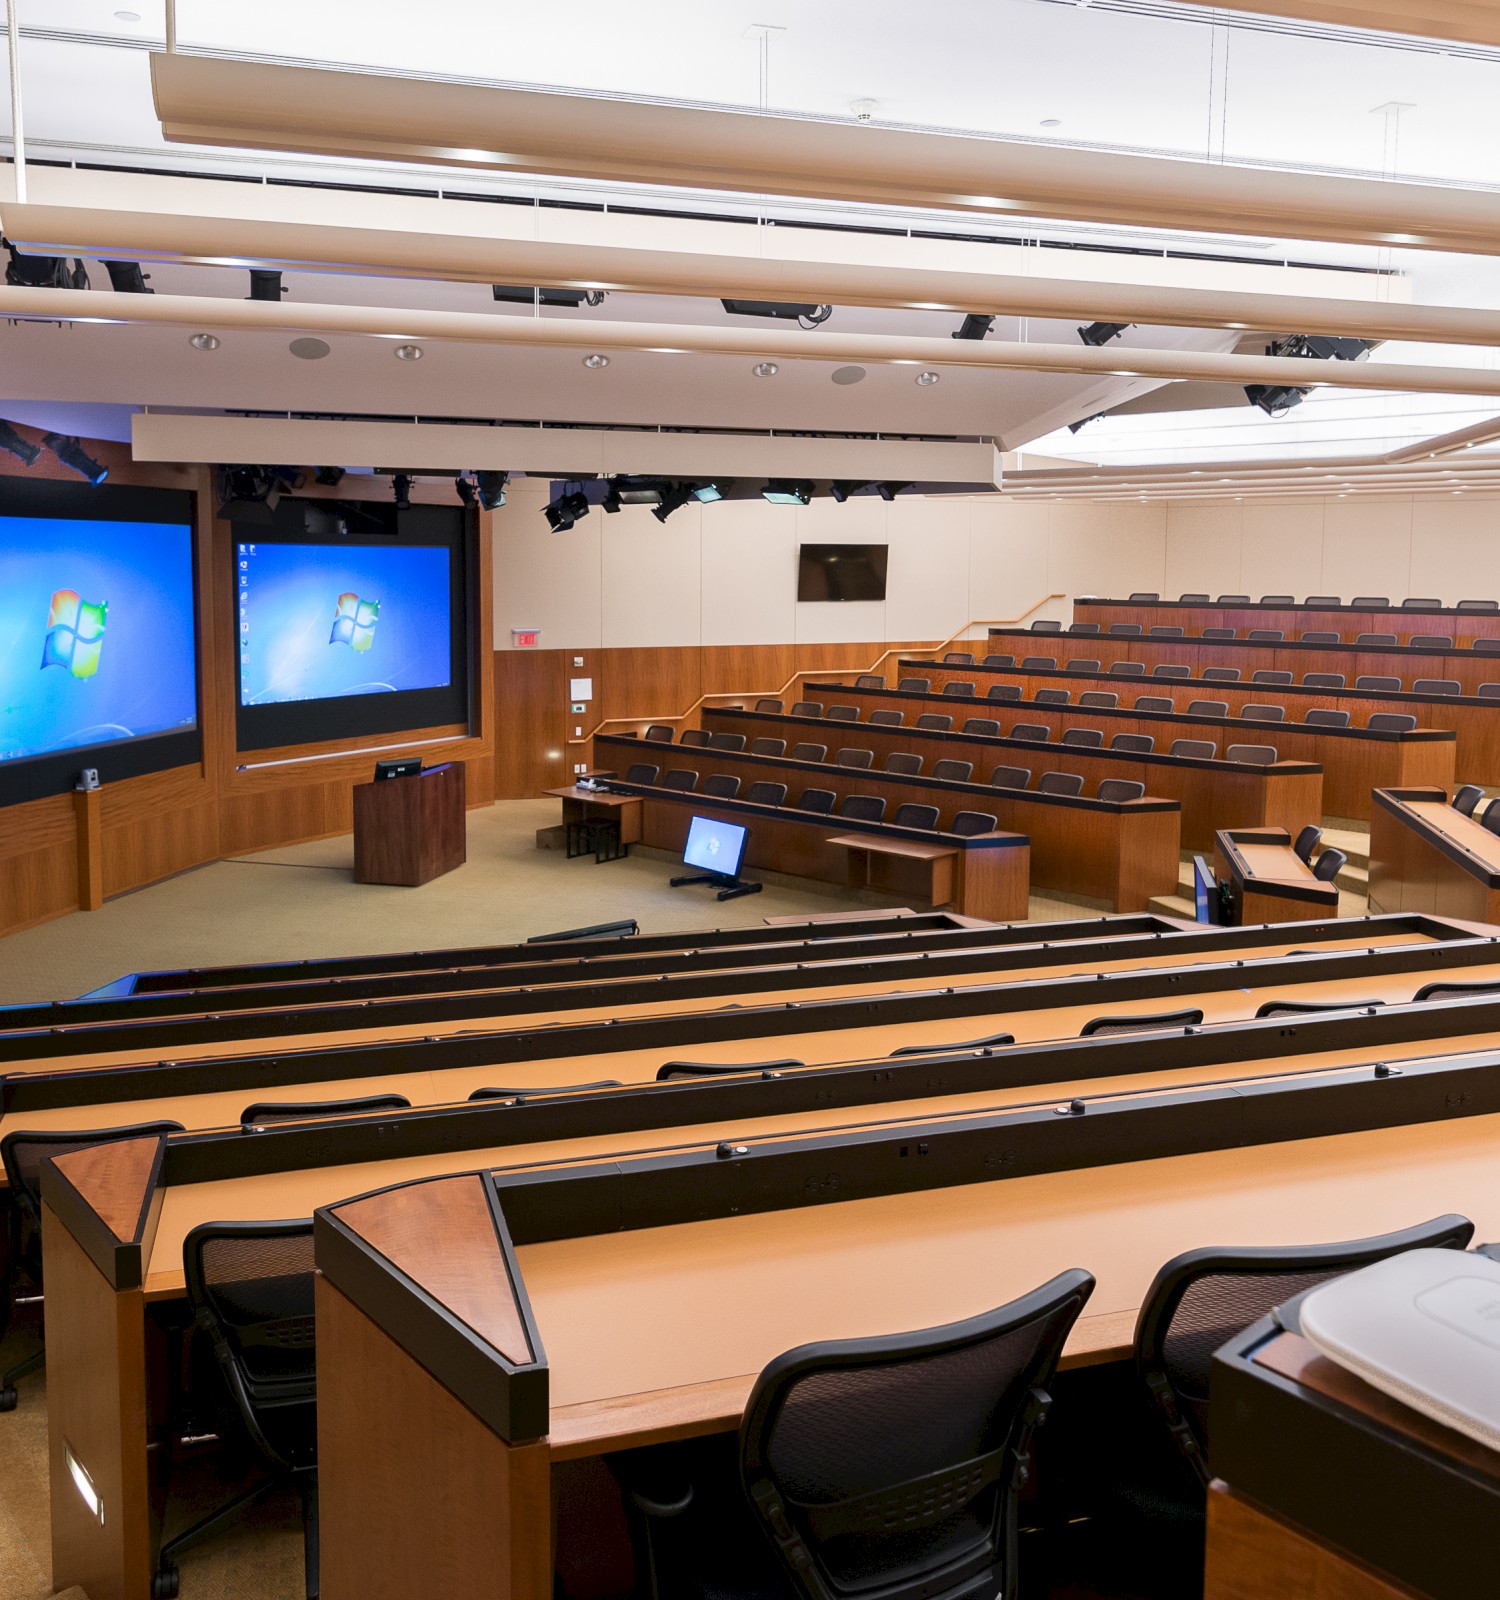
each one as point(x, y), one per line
point(98, 634)
point(841, 571)
point(342, 636)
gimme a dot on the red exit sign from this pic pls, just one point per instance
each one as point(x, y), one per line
point(525, 638)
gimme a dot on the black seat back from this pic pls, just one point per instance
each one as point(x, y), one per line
point(266, 1111)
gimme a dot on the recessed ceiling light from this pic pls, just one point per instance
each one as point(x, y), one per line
point(596, 362)
point(925, 380)
point(204, 341)
point(309, 349)
point(847, 375)
point(1052, 122)
point(766, 369)
point(127, 16)
point(408, 352)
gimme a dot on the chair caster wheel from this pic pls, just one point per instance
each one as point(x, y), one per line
point(164, 1584)
point(8, 1398)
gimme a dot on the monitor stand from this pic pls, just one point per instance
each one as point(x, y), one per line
point(729, 888)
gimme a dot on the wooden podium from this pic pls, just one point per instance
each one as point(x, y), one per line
point(410, 830)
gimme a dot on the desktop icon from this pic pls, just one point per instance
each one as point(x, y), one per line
point(354, 622)
point(75, 633)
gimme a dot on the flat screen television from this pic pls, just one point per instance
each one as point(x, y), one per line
point(98, 635)
point(365, 635)
point(841, 571)
point(714, 846)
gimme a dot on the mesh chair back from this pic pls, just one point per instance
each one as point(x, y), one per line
point(1004, 691)
point(1491, 818)
point(1323, 680)
point(1392, 722)
point(1160, 630)
point(1261, 713)
point(989, 1042)
point(1127, 669)
point(958, 687)
point(1052, 697)
point(1063, 783)
point(22, 1154)
point(768, 747)
point(935, 720)
point(1219, 633)
point(999, 662)
point(1278, 600)
point(1099, 697)
point(1083, 627)
point(721, 786)
point(641, 772)
point(1171, 669)
point(842, 713)
point(982, 727)
point(1321, 717)
point(1323, 600)
point(1466, 799)
point(809, 752)
point(1311, 1008)
point(1489, 691)
point(768, 703)
point(819, 800)
point(726, 741)
point(671, 1071)
point(953, 771)
point(903, 761)
point(683, 778)
point(1221, 674)
point(1270, 675)
point(1143, 598)
point(766, 794)
point(1194, 749)
point(1375, 641)
point(1201, 1299)
point(1307, 841)
point(551, 1088)
point(1447, 990)
point(1424, 604)
point(1010, 777)
point(1032, 731)
point(1136, 744)
point(1233, 600)
point(1437, 686)
point(1193, 599)
point(1432, 641)
point(1154, 702)
point(958, 658)
point(1370, 602)
point(1486, 646)
point(1252, 755)
point(1320, 636)
point(887, 719)
point(807, 708)
point(268, 1111)
point(858, 759)
point(1479, 605)
point(660, 733)
point(1127, 630)
point(870, 680)
point(1086, 738)
point(1082, 664)
point(914, 685)
point(1266, 635)
point(1102, 1026)
point(1044, 626)
point(911, 815)
point(1208, 708)
point(1329, 865)
point(696, 738)
point(863, 808)
point(1119, 790)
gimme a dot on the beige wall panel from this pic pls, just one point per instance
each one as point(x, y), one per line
point(840, 622)
point(927, 587)
point(1455, 551)
point(1106, 549)
point(1203, 548)
point(652, 577)
point(1367, 547)
point(1008, 560)
point(543, 579)
point(1282, 549)
point(749, 574)
point(861, 521)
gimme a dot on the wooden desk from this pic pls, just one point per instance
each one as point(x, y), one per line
point(877, 864)
point(1268, 880)
point(1327, 1487)
point(587, 805)
point(1424, 854)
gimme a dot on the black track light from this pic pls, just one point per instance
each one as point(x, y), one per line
point(466, 491)
point(841, 488)
point(401, 486)
point(44, 272)
point(1275, 399)
point(889, 491)
point(71, 453)
point(266, 284)
point(126, 277)
point(491, 489)
point(18, 445)
point(974, 326)
point(1083, 422)
point(557, 517)
point(576, 504)
point(807, 316)
point(329, 477)
point(518, 295)
point(674, 496)
point(1098, 333)
point(566, 509)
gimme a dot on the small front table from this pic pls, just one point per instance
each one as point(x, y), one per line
point(884, 864)
point(585, 808)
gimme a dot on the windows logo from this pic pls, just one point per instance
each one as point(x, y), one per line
point(75, 634)
point(354, 622)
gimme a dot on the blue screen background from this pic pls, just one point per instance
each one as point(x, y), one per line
point(714, 846)
point(288, 599)
point(147, 674)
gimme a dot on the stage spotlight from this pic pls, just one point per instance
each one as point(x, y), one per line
point(1083, 422)
point(266, 284)
point(707, 493)
point(557, 517)
point(466, 491)
point(72, 454)
point(44, 272)
point(248, 494)
point(889, 491)
point(518, 295)
point(18, 445)
point(329, 477)
point(842, 488)
point(566, 509)
point(974, 326)
point(401, 484)
point(1275, 399)
point(674, 497)
point(787, 492)
point(491, 489)
point(808, 316)
point(126, 277)
point(1098, 333)
point(634, 491)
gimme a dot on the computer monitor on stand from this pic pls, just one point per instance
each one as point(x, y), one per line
point(718, 848)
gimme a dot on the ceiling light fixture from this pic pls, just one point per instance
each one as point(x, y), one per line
point(401, 486)
point(204, 341)
point(596, 362)
point(18, 445)
point(1100, 333)
point(974, 326)
point(765, 369)
point(517, 295)
point(44, 272)
point(408, 352)
point(673, 498)
point(804, 315)
point(925, 380)
point(126, 277)
point(266, 284)
point(889, 491)
point(71, 453)
point(491, 489)
point(787, 492)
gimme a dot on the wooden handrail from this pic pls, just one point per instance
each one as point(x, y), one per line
point(740, 694)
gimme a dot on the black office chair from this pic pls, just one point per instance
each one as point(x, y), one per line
point(726, 741)
point(989, 1042)
point(1083, 627)
point(1370, 602)
point(1253, 755)
point(1118, 790)
point(768, 747)
point(1155, 703)
point(953, 771)
point(250, 1289)
point(842, 713)
point(721, 786)
point(1312, 1008)
point(1489, 691)
point(819, 800)
point(1490, 817)
point(1270, 675)
point(887, 719)
point(871, 680)
point(863, 808)
point(1193, 599)
point(1421, 604)
point(1378, 683)
point(1321, 636)
point(1329, 865)
point(1038, 663)
point(1142, 597)
point(1479, 605)
point(520, 1095)
point(1052, 697)
point(1082, 664)
point(766, 794)
point(1127, 669)
point(1194, 749)
point(1486, 646)
point(934, 722)
point(999, 661)
point(1010, 777)
point(1045, 625)
point(809, 752)
point(969, 824)
point(1126, 630)
point(960, 687)
point(982, 727)
point(911, 815)
point(902, 761)
point(1264, 713)
point(1067, 784)
point(1431, 641)
point(673, 1071)
point(1391, 722)
point(1218, 633)
point(914, 685)
point(1322, 717)
point(683, 778)
point(1099, 699)
point(1161, 630)
point(1375, 641)
point(1233, 600)
point(887, 1468)
point(1101, 1027)
point(1083, 738)
point(807, 708)
point(660, 733)
point(1136, 744)
point(1465, 799)
point(767, 703)
point(1323, 680)
point(1032, 732)
point(22, 1155)
point(857, 760)
point(1266, 635)
point(641, 772)
point(1278, 599)
point(1208, 708)
point(1323, 600)
point(696, 738)
point(264, 1112)
point(1004, 691)
point(1221, 674)
point(1171, 669)
point(1307, 842)
point(958, 658)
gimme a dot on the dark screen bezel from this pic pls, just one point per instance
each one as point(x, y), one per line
point(813, 558)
